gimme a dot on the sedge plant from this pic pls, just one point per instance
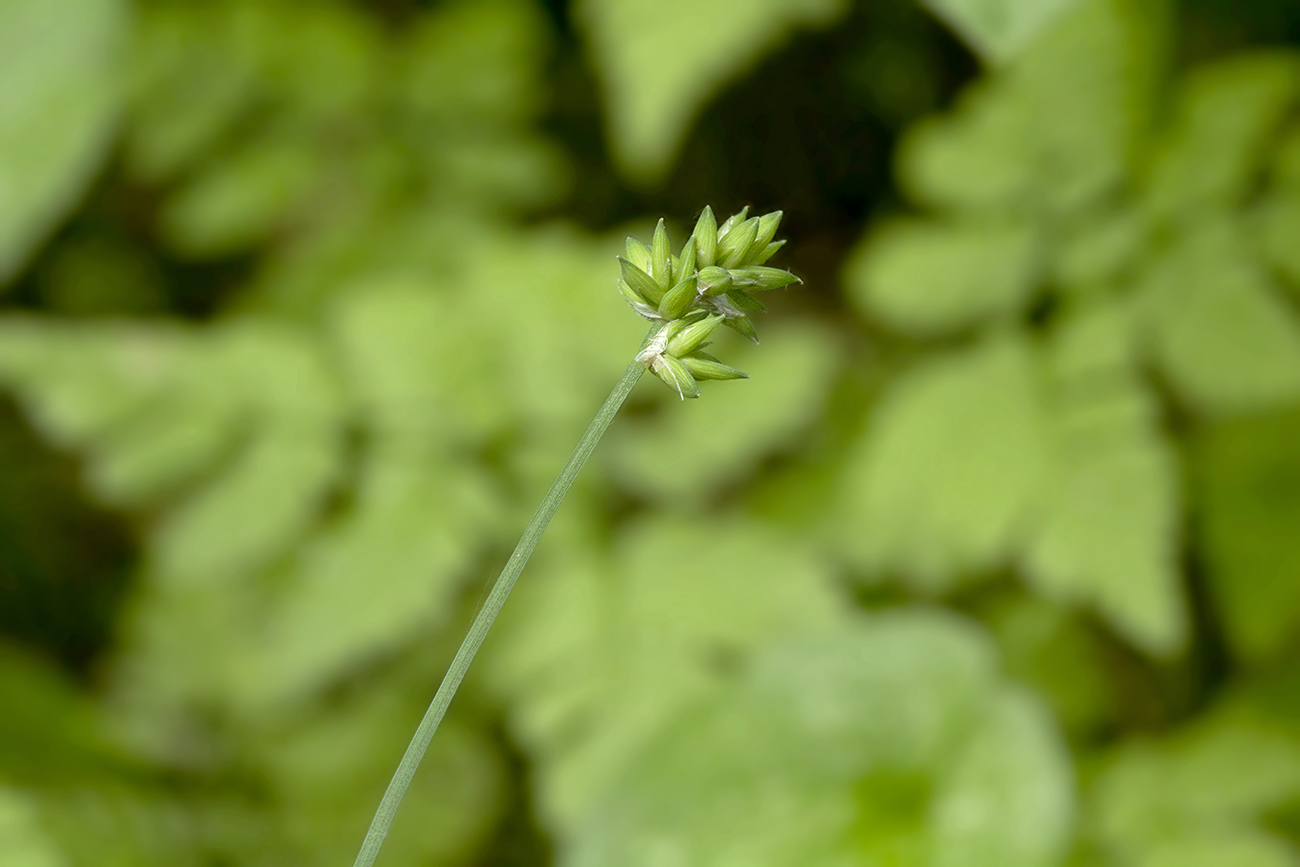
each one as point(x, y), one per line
point(686, 297)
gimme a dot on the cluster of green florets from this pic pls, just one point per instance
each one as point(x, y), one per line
point(707, 285)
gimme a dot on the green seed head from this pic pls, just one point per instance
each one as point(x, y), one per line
point(708, 284)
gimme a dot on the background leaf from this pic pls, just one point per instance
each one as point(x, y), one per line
point(998, 29)
point(950, 469)
point(931, 278)
point(61, 68)
point(651, 103)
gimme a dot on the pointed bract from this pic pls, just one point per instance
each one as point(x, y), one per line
point(636, 302)
point(744, 301)
point(689, 338)
point(732, 222)
point(641, 283)
point(678, 300)
point(660, 253)
point(768, 252)
point(704, 366)
point(732, 248)
point(714, 280)
point(638, 254)
point(685, 266)
point(757, 278)
point(742, 325)
point(675, 375)
point(767, 225)
point(706, 238)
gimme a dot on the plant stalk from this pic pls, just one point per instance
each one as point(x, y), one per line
point(488, 614)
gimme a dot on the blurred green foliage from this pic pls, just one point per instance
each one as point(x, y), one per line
point(991, 563)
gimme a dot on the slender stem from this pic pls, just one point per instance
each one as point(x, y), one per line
point(488, 613)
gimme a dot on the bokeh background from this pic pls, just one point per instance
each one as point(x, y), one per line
point(994, 561)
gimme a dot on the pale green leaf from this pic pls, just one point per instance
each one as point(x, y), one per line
point(1100, 250)
point(242, 199)
point(862, 744)
point(1285, 169)
point(23, 842)
point(928, 278)
point(169, 443)
point(998, 29)
point(963, 159)
point(1240, 849)
point(1249, 473)
point(1223, 118)
point(1089, 73)
point(661, 62)
point(614, 646)
point(1057, 652)
point(688, 453)
point(329, 769)
point(1107, 534)
point(59, 65)
point(1279, 235)
point(1015, 765)
point(1211, 783)
point(253, 511)
point(950, 469)
point(1220, 333)
point(78, 383)
point(381, 574)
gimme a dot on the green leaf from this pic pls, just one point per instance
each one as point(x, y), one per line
point(59, 62)
point(661, 62)
point(998, 29)
point(1218, 330)
point(1090, 73)
point(1224, 117)
point(951, 468)
point(928, 278)
point(1249, 492)
point(1107, 532)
